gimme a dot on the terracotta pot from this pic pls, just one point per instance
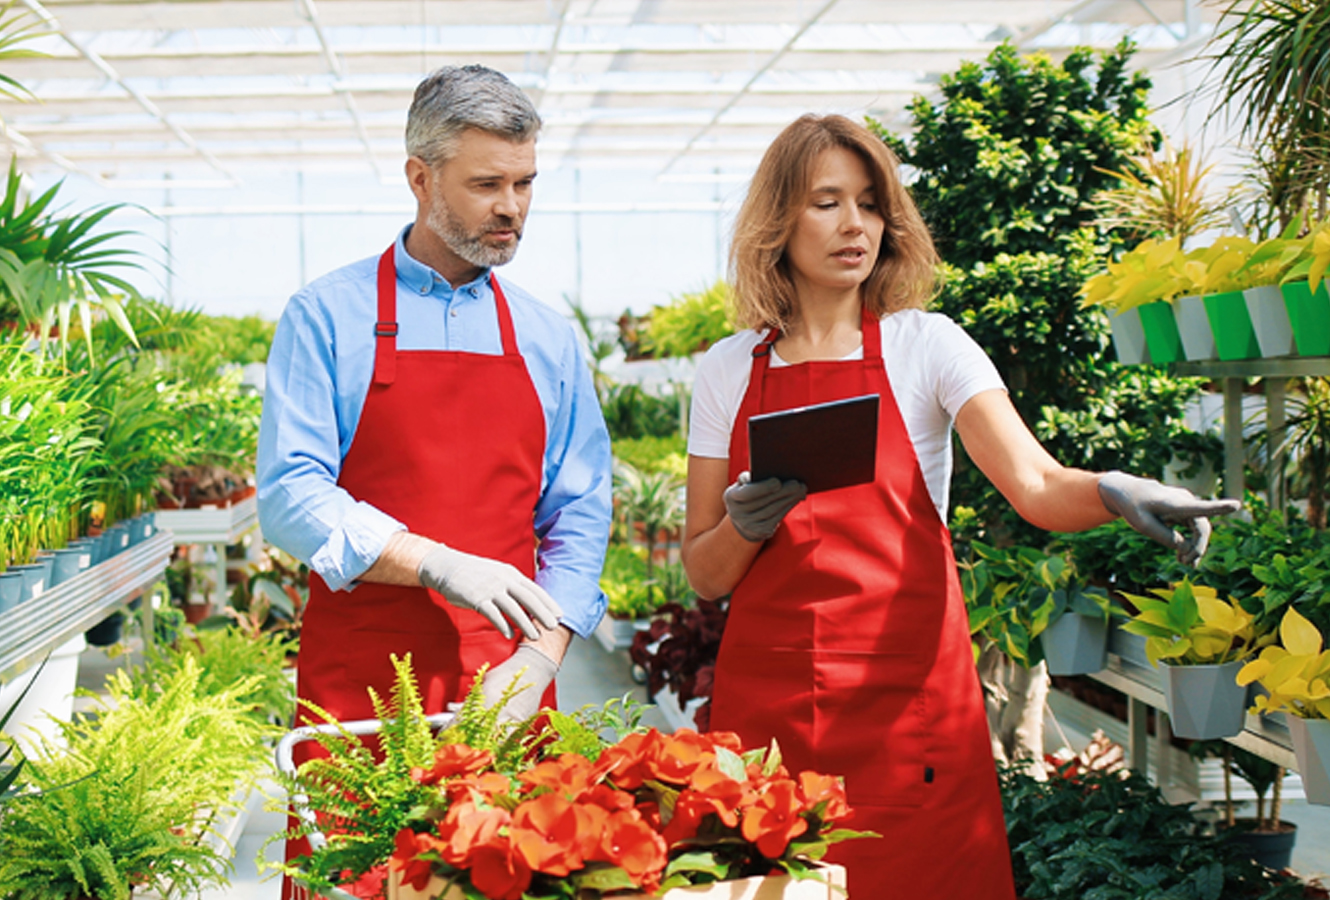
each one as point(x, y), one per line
point(197, 612)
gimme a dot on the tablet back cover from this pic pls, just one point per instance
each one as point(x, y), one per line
point(826, 446)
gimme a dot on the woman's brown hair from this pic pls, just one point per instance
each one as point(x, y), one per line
point(903, 275)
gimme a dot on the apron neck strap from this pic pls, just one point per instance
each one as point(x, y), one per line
point(385, 329)
point(872, 330)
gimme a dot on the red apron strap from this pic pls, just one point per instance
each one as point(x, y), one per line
point(385, 329)
point(506, 334)
point(872, 327)
point(761, 361)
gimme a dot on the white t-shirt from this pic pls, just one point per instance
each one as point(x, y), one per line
point(933, 365)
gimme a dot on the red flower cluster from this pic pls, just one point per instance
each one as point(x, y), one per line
point(645, 796)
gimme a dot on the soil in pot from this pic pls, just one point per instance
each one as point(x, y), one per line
point(1272, 849)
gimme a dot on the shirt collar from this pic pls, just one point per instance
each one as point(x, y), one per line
point(422, 279)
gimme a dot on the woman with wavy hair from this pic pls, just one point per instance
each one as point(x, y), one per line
point(848, 639)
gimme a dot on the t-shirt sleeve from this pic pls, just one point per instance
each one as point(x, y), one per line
point(718, 389)
point(963, 370)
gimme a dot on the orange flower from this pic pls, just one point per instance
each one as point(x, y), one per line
point(774, 819)
point(816, 788)
point(570, 775)
point(498, 872)
point(477, 788)
point(451, 760)
point(607, 798)
point(727, 739)
point(625, 762)
point(415, 872)
point(465, 829)
point(545, 832)
point(632, 845)
point(675, 758)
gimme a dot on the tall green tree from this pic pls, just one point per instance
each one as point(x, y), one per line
point(1008, 163)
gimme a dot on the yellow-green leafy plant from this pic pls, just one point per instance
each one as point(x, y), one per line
point(1190, 625)
point(1296, 672)
point(1218, 268)
point(1149, 272)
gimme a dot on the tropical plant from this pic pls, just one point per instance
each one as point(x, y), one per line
point(691, 322)
point(15, 30)
point(1113, 836)
point(632, 412)
point(649, 501)
point(1014, 594)
point(1148, 273)
point(1261, 775)
point(52, 267)
point(1189, 625)
point(1307, 443)
point(126, 804)
point(600, 344)
point(1165, 197)
point(655, 454)
point(227, 657)
point(502, 811)
point(1295, 673)
point(1272, 65)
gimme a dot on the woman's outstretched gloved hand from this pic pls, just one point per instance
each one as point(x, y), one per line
point(756, 508)
point(1153, 509)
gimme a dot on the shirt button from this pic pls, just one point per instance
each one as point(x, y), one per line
point(474, 292)
point(424, 289)
point(453, 313)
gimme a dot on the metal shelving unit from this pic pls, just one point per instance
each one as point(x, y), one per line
point(218, 527)
point(32, 629)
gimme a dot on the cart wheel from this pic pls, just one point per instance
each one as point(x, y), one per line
point(639, 674)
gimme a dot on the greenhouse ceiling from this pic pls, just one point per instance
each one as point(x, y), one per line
point(132, 92)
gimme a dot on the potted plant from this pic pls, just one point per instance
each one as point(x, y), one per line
point(1296, 677)
point(504, 811)
point(1137, 291)
point(1203, 642)
point(678, 654)
point(1212, 313)
point(1265, 836)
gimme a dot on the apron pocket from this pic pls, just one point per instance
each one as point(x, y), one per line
point(871, 726)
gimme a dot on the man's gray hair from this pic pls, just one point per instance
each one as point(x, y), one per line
point(455, 98)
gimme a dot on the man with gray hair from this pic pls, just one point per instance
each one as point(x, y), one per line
point(432, 446)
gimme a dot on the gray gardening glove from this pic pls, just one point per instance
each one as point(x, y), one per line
point(492, 588)
point(533, 670)
point(1153, 509)
point(756, 509)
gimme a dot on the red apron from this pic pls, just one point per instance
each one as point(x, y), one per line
point(451, 444)
point(848, 642)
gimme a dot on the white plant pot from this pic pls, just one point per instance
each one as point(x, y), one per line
point(1269, 319)
point(51, 696)
point(1198, 341)
point(1205, 702)
point(1129, 337)
point(1311, 744)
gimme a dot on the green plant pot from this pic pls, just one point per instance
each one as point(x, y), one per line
point(1198, 338)
point(1205, 702)
point(1311, 744)
point(1231, 323)
point(1161, 332)
point(1129, 337)
point(1269, 319)
point(1075, 645)
point(1309, 316)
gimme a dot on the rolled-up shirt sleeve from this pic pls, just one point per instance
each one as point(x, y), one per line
point(572, 519)
point(301, 508)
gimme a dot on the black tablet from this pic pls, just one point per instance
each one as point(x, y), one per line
point(826, 446)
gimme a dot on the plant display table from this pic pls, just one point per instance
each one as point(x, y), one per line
point(32, 629)
point(218, 527)
point(1129, 672)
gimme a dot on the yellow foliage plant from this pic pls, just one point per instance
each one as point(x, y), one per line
point(1189, 625)
point(1296, 672)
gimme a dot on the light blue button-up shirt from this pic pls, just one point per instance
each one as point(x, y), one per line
point(319, 371)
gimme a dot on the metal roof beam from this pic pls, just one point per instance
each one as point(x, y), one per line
point(738, 95)
point(339, 72)
point(106, 69)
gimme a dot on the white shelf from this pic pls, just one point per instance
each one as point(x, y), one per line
point(617, 634)
point(220, 525)
point(32, 629)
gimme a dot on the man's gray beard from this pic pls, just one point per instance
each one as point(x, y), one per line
point(467, 246)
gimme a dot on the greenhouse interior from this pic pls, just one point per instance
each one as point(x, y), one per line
point(978, 349)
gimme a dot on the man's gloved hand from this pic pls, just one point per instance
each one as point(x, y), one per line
point(492, 588)
point(756, 509)
point(536, 672)
point(1153, 509)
